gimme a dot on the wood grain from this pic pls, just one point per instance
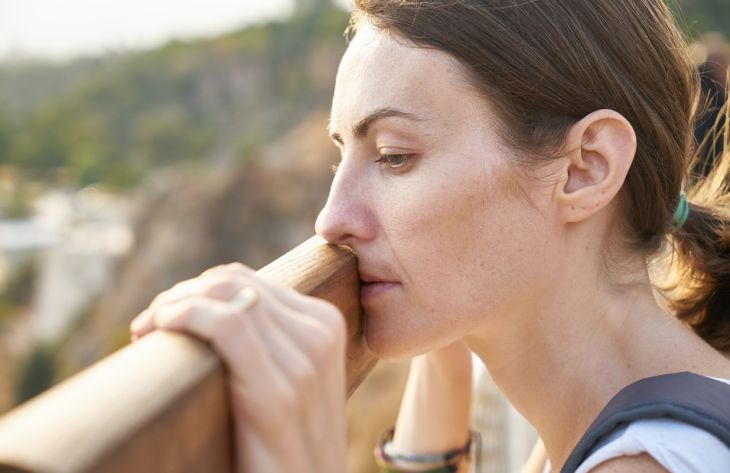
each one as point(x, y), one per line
point(160, 405)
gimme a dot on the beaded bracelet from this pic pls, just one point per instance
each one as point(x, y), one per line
point(448, 462)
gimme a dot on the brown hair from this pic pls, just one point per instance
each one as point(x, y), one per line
point(545, 64)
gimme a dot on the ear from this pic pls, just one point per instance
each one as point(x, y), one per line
point(601, 148)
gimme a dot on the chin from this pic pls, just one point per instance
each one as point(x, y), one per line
point(391, 343)
point(385, 351)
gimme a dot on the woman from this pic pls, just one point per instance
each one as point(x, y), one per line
point(510, 172)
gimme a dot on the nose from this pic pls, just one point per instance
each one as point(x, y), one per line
point(346, 219)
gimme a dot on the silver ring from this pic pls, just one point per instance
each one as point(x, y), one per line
point(245, 299)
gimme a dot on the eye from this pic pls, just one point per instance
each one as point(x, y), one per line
point(395, 161)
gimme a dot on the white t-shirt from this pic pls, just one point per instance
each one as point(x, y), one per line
point(675, 445)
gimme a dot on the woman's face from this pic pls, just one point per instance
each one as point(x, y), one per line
point(429, 199)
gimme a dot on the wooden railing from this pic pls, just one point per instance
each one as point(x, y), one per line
point(160, 405)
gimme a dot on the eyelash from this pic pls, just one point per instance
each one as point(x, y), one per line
point(386, 160)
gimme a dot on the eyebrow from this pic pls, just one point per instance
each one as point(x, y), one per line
point(360, 130)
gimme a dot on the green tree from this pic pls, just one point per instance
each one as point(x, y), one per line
point(704, 15)
point(179, 103)
point(6, 137)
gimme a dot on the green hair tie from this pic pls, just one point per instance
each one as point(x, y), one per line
point(681, 213)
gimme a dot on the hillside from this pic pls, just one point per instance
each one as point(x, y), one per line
point(112, 120)
point(187, 222)
point(184, 131)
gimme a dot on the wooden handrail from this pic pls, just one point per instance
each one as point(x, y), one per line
point(160, 405)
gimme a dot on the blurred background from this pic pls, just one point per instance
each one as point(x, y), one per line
point(143, 142)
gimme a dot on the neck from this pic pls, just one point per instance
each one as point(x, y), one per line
point(562, 356)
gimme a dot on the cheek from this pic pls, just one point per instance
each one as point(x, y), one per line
point(438, 235)
point(455, 237)
point(466, 245)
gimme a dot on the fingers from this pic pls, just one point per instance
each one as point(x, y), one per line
point(242, 274)
point(254, 348)
point(283, 331)
point(215, 286)
point(220, 282)
point(224, 282)
point(245, 348)
point(303, 349)
point(283, 318)
point(284, 352)
point(216, 283)
point(201, 316)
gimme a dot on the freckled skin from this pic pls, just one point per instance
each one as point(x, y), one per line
point(511, 261)
point(450, 226)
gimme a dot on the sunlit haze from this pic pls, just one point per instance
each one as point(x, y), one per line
point(62, 29)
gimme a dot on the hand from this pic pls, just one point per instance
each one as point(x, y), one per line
point(286, 366)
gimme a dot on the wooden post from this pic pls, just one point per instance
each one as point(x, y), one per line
point(160, 405)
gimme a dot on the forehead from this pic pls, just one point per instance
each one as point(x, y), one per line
point(381, 69)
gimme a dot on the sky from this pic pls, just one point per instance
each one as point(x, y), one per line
point(61, 29)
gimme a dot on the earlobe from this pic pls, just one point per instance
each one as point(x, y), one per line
point(601, 148)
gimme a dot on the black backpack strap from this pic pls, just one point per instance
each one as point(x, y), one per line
point(688, 397)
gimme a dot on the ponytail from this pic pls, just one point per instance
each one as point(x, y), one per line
point(699, 276)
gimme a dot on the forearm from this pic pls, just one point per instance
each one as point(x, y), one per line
point(435, 410)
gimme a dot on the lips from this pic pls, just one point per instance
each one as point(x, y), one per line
point(373, 285)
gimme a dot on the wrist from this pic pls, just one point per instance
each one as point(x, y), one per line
point(391, 459)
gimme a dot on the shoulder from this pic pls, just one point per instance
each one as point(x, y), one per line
point(659, 445)
point(637, 463)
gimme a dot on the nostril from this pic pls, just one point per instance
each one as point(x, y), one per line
point(345, 239)
point(334, 237)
